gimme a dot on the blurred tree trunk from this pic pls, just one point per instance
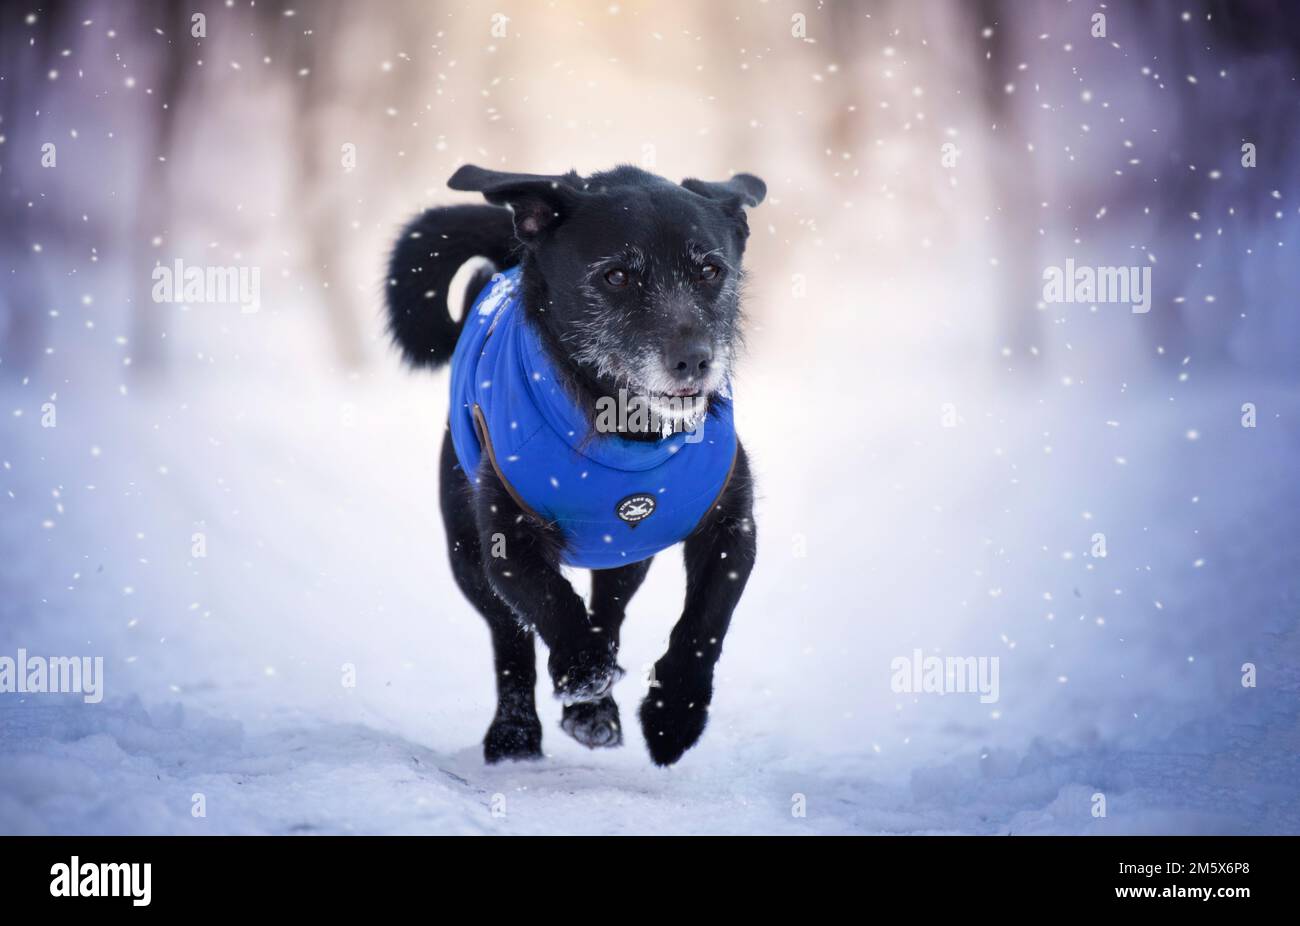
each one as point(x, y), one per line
point(154, 204)
point(848, 25)
point(30, 52)
point(311, 42)
point(1018, 274)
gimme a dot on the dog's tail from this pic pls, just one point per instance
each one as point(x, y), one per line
point(425, 258)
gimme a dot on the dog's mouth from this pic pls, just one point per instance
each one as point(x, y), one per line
point(650, 399)
point(682, 407)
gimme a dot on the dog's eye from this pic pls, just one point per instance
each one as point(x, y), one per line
point(709, 272)
point(616, 277)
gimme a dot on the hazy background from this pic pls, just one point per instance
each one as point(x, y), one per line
point(935, 447)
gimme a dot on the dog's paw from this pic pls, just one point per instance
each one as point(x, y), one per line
point(585, 676)
point(513, 738)
point(594, 724)
point(673, 715)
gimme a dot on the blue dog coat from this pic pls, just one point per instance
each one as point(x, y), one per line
point(616, 501)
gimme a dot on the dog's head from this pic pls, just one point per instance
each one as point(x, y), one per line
point(638, 279)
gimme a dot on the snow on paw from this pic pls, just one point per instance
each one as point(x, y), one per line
point(587, 677)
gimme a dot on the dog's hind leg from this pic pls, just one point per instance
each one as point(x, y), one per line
point(596, 723)
point(516, 731)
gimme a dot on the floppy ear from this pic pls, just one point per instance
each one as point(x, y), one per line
point(740, 190)
point(538, 201)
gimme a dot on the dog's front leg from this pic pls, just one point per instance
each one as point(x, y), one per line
point(719, 557)
point(521, 557)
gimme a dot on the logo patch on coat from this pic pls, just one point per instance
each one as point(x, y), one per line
point(636, 508)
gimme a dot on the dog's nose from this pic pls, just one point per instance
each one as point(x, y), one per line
point(689, 358)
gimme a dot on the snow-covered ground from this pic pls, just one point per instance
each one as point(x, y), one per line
point(924, 166)
point(881, 532)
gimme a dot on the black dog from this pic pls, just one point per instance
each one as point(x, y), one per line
point(630, 282)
